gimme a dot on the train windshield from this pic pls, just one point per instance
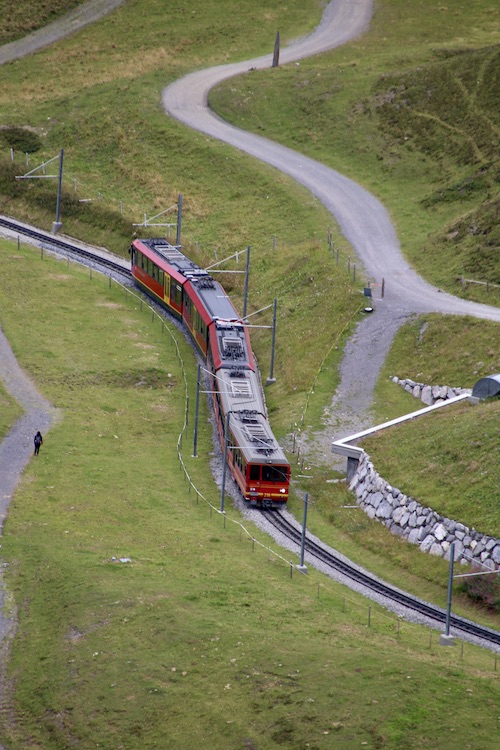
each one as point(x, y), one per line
point(267, 473)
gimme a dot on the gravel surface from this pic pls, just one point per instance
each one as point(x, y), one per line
point(373, 238)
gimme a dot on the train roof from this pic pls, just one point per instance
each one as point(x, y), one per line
point(211, 293)
point(230, 345)
point(241, 395)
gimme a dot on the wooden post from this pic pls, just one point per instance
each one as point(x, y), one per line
point(276, 56)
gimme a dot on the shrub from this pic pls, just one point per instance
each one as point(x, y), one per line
point(483, 589)
point(20, 139)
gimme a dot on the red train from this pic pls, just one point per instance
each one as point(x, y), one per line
point(255, 458)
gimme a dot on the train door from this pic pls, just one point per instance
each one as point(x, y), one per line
point(166, 287)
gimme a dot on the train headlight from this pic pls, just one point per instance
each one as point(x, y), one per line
point(282, 490)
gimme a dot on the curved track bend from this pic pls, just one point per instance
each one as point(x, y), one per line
point(373, 237)
point(414, 608)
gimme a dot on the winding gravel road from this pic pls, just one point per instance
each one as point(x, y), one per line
point(362, 218)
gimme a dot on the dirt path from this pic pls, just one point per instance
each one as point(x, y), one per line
point(16, 449)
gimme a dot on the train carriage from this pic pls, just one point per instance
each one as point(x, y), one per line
point(257, 462)
point(259, 465)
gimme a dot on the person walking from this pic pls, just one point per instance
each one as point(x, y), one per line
point(38, 440)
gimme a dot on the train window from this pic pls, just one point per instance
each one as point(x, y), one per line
point(176, 293)
point(161, 277)
point(273, 474)
point(254, 473)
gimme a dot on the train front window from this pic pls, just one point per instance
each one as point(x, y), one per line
point(254, 473)
point(273, 474)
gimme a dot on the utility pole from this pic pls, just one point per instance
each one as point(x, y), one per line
point(301, 566)
point(179, 221)
point(57, 224)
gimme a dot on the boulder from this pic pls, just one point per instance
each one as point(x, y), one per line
point(427, 543)
point(440, 532)
point(426, 396)
point(495, 554)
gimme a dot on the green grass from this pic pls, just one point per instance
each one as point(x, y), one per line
point(20, 19)
point(444, 460)
point(99, 640)
point(200, 637)
point(452, 470)
point(418, 127)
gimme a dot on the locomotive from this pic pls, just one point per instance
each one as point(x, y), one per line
point(187, 291)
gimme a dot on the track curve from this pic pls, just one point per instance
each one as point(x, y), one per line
point(392, 598)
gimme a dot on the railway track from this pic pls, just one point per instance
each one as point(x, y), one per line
point(459, 626)
point(81, 252)
point(417, 607)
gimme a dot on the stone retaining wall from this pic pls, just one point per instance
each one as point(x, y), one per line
point(407, 518)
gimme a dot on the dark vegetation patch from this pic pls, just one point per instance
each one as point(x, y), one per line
point(20, 139)
point(448, 111)
point(20, 19)
point(472, 244)
point(483, 589)
point(42, 195)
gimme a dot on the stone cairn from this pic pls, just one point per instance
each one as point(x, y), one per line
point(407, 518)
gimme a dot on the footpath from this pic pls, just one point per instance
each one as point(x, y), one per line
point(16, 449)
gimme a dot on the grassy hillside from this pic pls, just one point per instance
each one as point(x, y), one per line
point(9, 411)
point(145, 620)
point(418, 127)
point(201, 638)
point(20, 19)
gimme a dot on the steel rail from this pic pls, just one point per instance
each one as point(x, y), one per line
point(414, 604)
point(351, 572)
point(51, 242)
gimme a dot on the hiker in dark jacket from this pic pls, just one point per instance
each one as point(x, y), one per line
point(38, 440)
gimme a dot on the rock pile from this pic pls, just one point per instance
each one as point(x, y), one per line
point(429, 394)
